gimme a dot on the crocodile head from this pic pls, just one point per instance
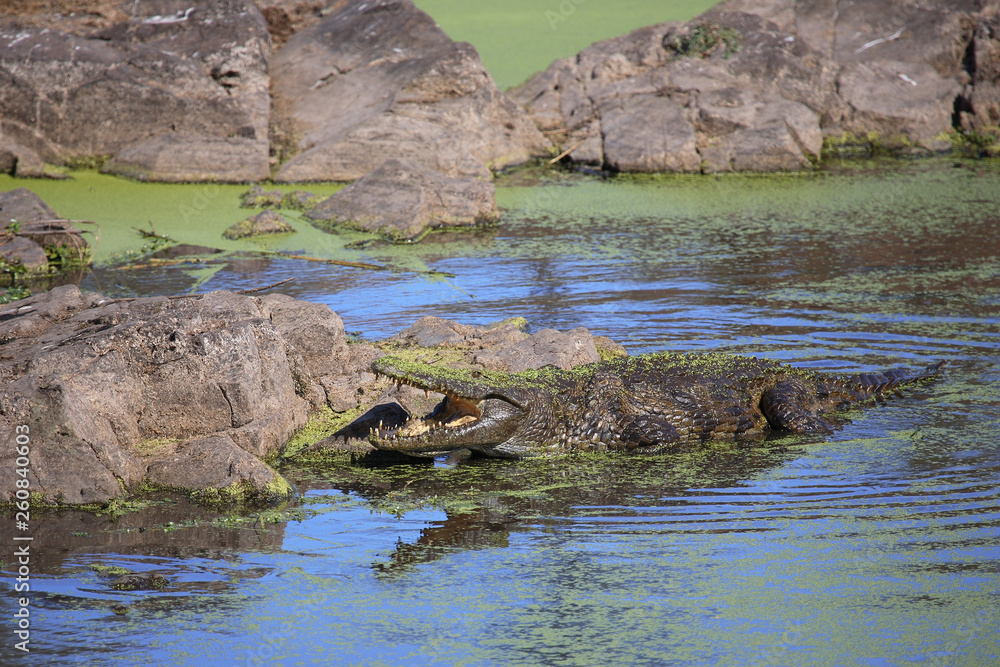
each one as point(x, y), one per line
point(493, 413)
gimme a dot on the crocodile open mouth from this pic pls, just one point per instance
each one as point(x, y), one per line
point(451, 412)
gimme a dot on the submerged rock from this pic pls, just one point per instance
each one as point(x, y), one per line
point(300, 200)
point(168, 91)
point(403, 199)
point(258, 197)
point(262, 224)
point(378, 80)
point(139, 582)
point(759, 85)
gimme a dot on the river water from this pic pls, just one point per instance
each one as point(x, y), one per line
point(876, 545)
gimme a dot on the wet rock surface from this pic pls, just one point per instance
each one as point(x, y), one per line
point(759, 85)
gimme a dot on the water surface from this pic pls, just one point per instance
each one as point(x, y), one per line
point(877, 545)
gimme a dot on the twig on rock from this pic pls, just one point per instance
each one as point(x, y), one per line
point(567, 152)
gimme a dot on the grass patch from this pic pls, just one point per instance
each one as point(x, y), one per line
point(704, 39)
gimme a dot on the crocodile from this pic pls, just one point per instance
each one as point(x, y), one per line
point(646, 403)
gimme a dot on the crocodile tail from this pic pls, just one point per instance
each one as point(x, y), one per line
point(883, 383)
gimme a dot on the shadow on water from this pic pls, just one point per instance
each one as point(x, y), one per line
point(485, 500)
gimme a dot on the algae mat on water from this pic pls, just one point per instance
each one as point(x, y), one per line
point(187, 213)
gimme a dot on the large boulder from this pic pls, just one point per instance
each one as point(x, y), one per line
point(172, 90)
point(759, 85)
point(187, 392)
point(402, 199)
point(378, 80)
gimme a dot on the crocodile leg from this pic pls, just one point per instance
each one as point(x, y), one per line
point(787, 407)
point(649, 432)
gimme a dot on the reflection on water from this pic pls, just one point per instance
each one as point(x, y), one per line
point(879, 544)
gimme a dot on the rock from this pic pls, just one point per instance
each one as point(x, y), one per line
point(22, 205)
point(258, 197)
point(433, 331)
point(979, 105)
point(186, 393)
point(300, 200)
point(19, 251)
point(139, 582)
point(19, 161)
point(378, 80)
point(214, 462)
point(185, 250)
point(264, 223)
point(315, 332)
point(759, 85)
point(403, 199)
point(548, 347)
point(180, 158)
point(287, 17)
point(505, 346)
point(170, 91)
point(42, 241)
point(900, 102)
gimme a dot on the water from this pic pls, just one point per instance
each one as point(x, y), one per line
point(877, 545)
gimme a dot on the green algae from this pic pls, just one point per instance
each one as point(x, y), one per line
point(194, 213)
point(109, 570)
point(704, 39)
point(322, 424)
point(244, 493)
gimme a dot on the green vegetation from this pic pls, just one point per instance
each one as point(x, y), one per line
point(87, 162)
point(64, 257)
point(870, 144)
point(322, 424)
point(704, 39)
point(109, 570)
point(243, 493)
point(975, 143)
point(13, 293)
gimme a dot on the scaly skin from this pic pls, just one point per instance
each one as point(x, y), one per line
point(644, 403)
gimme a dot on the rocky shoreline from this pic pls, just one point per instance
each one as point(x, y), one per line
point(764, 85)
point(203, 394)
point(238, 91)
